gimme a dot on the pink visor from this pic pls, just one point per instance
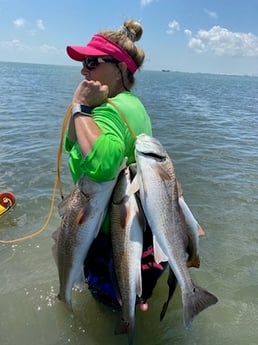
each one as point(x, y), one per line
point(102, 46)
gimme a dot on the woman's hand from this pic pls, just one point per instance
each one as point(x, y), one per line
point(91, 93)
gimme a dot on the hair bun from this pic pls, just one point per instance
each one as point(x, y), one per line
point(132, 29)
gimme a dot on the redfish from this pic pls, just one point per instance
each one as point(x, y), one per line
point(157, 184)
point(127, 226)
point(84, 213)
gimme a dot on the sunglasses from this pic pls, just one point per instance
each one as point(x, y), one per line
point(91, 62)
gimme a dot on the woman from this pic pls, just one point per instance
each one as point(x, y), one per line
point(99, 137)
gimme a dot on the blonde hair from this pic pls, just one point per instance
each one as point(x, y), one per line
point(130, 32)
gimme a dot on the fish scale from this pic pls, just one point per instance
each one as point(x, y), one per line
point(127, 241)
point(159, 197)
point(83, 214)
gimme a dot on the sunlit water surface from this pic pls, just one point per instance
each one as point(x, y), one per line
point(209, 125)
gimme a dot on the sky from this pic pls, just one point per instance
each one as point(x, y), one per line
point(206, 36)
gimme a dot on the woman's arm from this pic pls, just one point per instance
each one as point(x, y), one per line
point(81, 127)
point(71, 131)
point(87, 132)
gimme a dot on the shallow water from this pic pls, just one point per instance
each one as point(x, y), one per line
point(209, 125)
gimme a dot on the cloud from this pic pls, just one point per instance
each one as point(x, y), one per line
point(188, 33)
point(45, 48)
point(12, 45)
point(19, 23)
point(221, 41)
point(173, 26)
point(211, 14)
point(146, 2)
point(40, 24)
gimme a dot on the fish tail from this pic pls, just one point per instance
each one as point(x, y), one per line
point(67, 303)
point(195, 302)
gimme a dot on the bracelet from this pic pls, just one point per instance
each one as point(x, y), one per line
point(82, 109)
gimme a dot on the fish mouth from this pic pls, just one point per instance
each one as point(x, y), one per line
point(149, 147)
point(156, 156)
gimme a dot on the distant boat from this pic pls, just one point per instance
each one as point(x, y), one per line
point(7, 202)
point(165, 70)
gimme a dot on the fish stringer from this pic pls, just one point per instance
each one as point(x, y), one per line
point(56, 183)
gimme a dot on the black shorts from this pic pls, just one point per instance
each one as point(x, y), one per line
point(99, 270)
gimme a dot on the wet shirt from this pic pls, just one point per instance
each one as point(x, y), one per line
point(116, 142)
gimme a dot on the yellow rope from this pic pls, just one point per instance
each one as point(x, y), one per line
point(58, 174)
point(60, 149)
point(56, 183)
point(123, 118)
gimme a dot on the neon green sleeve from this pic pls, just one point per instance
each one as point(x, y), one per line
point(101, 163)
point(116, 142)
point(104, 159)
point(68, 145)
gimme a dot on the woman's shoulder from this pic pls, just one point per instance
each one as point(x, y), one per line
point(125, 96)
point(123, 108)
point(128, 102)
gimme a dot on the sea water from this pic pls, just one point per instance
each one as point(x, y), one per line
point(209, 125)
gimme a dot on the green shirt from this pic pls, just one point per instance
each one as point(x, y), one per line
point(115, 142)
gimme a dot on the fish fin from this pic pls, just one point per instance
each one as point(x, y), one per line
point(164, 310)
point(195, 262)
point(201, 232)
point(159, 255)
point(124, 212)
point(134, 186)
point(54, 252)
point(80, 281)
point(189, 218)
point(195, 302)
point(123, 165)
point(84, 213)
point(191, 227)
point(55, 235)
point(172, 283)
point(133, 169)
